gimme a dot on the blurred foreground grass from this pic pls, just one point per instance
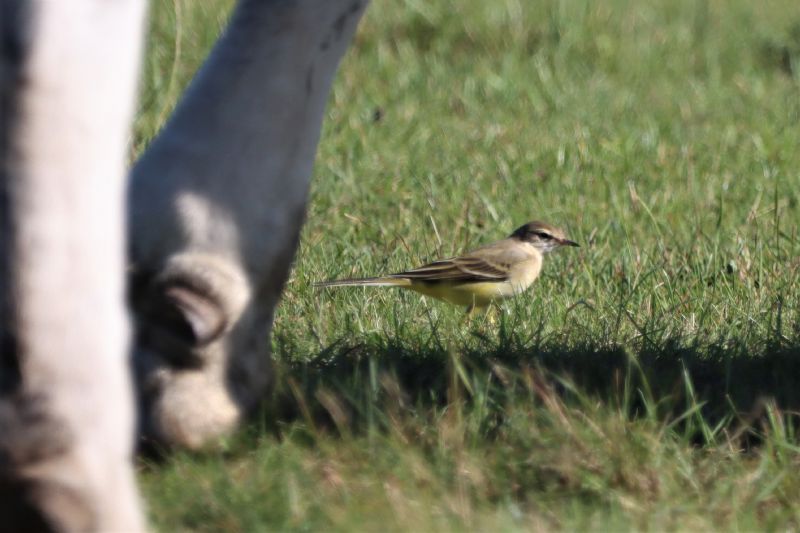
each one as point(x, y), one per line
point(651, 378)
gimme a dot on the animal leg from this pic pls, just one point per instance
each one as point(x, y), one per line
point(66, 406)
point(216, 207)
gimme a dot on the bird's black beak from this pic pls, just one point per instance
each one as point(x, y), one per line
point(567, 242)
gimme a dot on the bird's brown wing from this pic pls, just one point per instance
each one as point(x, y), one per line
point(466, 269)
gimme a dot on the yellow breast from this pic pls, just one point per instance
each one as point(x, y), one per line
point(481, 294)
point(465, 294)
point(524, 273)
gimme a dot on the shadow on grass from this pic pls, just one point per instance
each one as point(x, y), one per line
point(729, 384)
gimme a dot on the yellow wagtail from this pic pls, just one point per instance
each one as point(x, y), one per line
point(493, 272)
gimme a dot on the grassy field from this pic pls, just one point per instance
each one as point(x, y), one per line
point(651, 378)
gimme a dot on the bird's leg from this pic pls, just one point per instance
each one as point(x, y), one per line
point(474, 310)
point(468, 314)
point(491, 312)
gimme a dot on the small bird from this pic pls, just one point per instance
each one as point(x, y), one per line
point(496, 271)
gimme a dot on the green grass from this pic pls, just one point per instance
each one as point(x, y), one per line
point(651, 378)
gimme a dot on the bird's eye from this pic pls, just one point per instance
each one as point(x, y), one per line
point(544, 236)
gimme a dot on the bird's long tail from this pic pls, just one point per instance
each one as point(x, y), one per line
point(365, 282)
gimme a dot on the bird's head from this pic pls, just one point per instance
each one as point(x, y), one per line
point(542, 236)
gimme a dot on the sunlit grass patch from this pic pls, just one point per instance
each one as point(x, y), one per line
point(649, 380)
